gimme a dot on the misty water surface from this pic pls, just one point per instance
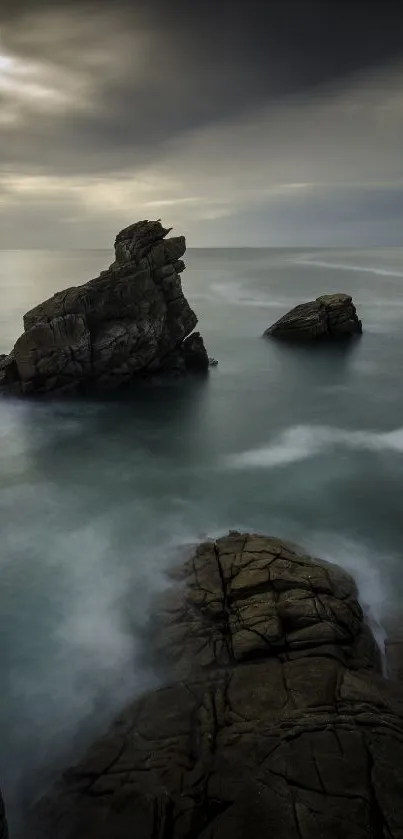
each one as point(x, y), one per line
point(96, 497)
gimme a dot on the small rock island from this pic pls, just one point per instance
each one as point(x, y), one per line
point(329, 317)
point(130, 322)
point(275, 719)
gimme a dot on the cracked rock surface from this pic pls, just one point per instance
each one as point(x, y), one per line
point(124, 324)
point(276, 721)
point(331, 316)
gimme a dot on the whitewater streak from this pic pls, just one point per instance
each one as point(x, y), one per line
point(341, 266)
point(304, 441)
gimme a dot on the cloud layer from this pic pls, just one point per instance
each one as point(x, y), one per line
point(238, 125)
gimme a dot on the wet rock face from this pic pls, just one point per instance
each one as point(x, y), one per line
point(190, 357)
point(113, 329)
point(276, 721)
point(195, 354)
point(332, 316)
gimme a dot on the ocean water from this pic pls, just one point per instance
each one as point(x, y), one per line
point(97, 497)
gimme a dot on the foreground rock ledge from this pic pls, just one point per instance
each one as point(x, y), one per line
point(276, 723)
point(131, 321)
point(332, 316)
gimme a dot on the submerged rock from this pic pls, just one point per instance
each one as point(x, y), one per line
point(331, 316)
point(276, 720)
point(122, 325)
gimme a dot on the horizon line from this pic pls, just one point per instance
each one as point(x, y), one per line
point(211, 248)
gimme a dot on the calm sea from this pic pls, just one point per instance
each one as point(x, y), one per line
point(96, 497)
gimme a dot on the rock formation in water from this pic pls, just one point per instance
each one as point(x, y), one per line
point(276, 722)
point(332, 316)
point(133, 320)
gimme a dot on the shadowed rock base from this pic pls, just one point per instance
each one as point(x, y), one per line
point(332, 316)
point(3, 821)
point(276, 722)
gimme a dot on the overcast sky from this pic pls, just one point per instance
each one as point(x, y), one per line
point(235, 124)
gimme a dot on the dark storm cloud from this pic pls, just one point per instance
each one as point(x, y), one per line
point(206, 112)
point(322, 39)
point(156, 70)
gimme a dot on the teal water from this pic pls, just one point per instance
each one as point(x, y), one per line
point(96, 497)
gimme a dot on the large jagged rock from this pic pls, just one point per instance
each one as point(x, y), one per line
point(276, 722)
point(113, 329)
point(332, 316)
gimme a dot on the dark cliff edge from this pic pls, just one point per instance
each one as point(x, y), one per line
point(131, 322)
point(275, 719)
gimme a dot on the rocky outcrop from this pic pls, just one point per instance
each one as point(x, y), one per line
point(332, 316)
point(276, 722)
point(114, 329)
